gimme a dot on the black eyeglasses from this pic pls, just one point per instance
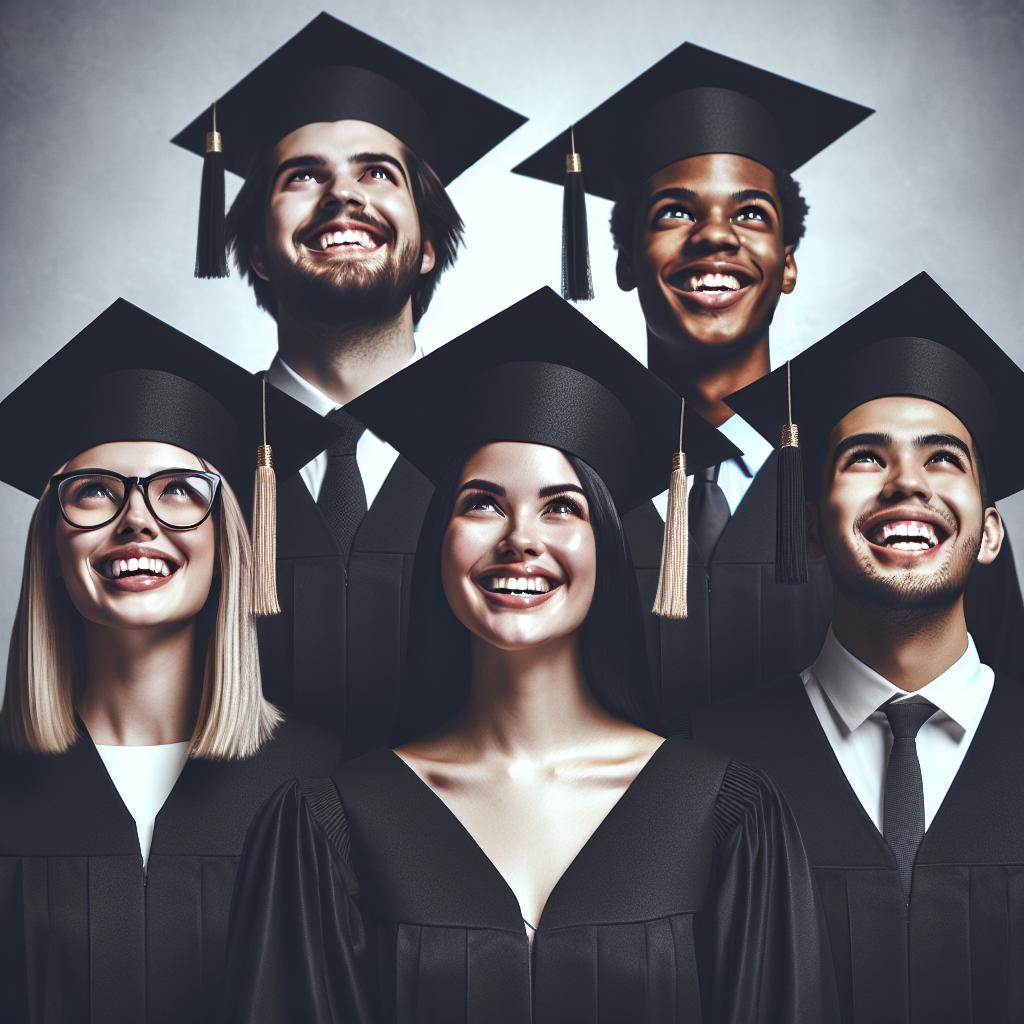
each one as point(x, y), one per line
point(178, 499)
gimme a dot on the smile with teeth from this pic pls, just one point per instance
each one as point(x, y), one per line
point(116, 568)
point(711, 283)
point(349, 237)
point(907, 535)
point(516, 585)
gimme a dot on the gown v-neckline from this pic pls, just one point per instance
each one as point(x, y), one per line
point(470, 842)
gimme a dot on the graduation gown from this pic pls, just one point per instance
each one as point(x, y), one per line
point(745, 631)
point(85, 935)
point(362, 898)
point(334, 655)
point(957, 956)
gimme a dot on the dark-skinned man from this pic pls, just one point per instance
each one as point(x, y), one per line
point(698, 154)
point(898, 748)
point(343, 227)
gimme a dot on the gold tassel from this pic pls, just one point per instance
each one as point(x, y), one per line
point(670, 600)
point(790, 521)
point(264, 527)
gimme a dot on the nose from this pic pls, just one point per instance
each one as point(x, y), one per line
point(136, 519)
point(343, 190)
point(521, 540)
point(906, 478)
point(713, 233)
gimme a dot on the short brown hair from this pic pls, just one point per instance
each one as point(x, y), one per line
point(440, 224)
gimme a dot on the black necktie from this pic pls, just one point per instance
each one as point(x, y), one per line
point(903, 809)
point(342, 498)
point(708, 512)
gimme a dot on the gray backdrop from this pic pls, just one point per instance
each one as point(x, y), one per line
point(96, 203)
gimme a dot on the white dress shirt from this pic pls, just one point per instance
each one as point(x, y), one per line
point(144, 778)
point(846, 695)
point(735, 475)
point(374, 457)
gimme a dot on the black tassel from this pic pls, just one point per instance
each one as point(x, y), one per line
point(790, 513)
point(211, 254)
point(790, 521)
point(577, 283)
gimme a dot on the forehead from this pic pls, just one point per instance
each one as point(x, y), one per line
point(516, 465)
point(714, 174)
point(134, 458)
point(339, 140)
point(901, 416)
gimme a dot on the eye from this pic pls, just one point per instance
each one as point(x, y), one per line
point(864, 457)
point(947, 455)
point(379, 173)
point(563, 506)
point(480, 502)
point(753, 213)
point(673, 212)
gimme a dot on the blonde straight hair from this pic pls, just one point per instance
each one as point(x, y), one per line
point(48, 649)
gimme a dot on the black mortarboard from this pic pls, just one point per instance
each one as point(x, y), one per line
point(917, 342)
point(542, 373)
point(692, 102)
point(128, 376)
point(331, 71)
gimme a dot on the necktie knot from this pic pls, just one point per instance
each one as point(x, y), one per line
point(907, 716)
point(350, 431)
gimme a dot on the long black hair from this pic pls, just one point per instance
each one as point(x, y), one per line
point(435, 682)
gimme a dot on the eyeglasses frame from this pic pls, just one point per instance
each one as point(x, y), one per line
point(130, 483)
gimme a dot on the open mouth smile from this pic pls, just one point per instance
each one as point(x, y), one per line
point(343, 239)
point(710, 288)
point(133, 571)
point(906, 536)
point(516, 591)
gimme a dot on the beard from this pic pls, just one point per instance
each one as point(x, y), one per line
point(346, 291)
point(860, 581)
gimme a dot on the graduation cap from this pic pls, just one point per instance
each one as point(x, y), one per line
point(916, 342)
point(692, 102)
point(128, 376)
point(540, 372)
point(331, 71)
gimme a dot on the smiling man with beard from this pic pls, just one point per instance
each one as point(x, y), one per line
point(343, 227)
point(899, 747)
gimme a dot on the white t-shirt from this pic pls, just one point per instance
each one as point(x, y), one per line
point(144, 778)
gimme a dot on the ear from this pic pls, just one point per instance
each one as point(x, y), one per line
point(429, 258)
point(624, 271)
point(256, 262)
point(789, 270)
point(992, 533)
point(814, 548)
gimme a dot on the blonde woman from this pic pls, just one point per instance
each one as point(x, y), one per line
point(136, 740)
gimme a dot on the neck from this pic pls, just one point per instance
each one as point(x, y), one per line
point(706, 383)
point(345, 360)
point(908, 646)
point(530, 704)
point(142, 687)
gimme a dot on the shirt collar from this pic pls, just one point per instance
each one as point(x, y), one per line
point(754, 447)
point(285, 379)
point(856, 691)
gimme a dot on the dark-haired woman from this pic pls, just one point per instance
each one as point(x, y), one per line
point(533, 850)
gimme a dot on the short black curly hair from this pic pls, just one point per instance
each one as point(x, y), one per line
point(794, 213)
point(440, 224)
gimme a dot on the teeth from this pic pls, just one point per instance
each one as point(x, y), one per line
point(154, 566)
point(921, 535)
point(350, 236)
point(523, 584)
point(719, 282)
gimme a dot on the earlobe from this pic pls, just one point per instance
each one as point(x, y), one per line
point(624, 271)
point(789, 270)
point(256, 262)
point(992, 535)
point(429, 258)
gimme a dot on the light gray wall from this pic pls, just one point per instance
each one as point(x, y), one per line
point(96, 203)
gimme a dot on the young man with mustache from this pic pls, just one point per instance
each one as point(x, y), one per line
point(343, 228)
point(898, 747)
point(698, 154)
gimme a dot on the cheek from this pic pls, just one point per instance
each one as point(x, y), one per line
point(72, 552)
point(200, 549)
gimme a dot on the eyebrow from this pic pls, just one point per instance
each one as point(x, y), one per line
point(493, 488)
point(746, 194)
point(687, 195)
point(311, 160)
point(886, 441)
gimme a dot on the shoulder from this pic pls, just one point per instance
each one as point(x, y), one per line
point(748, 799)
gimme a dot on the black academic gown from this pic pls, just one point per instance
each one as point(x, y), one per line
point(363, 899)
point(85, 936)
point(744, 630)
point(334, 656)
point(957, 956)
